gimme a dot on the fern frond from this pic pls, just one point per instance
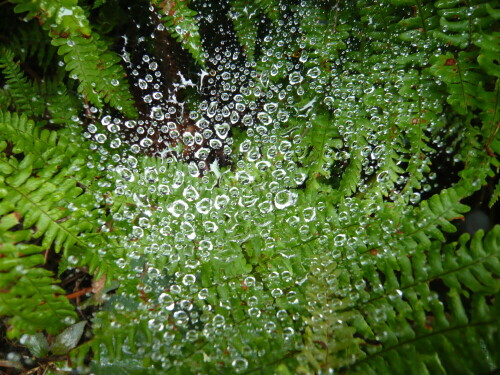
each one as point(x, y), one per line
point(62, 105)
point(28, 294)
point(25, 95)
point(5, 99)
point(181, 23)
point(98, 3)
point(355, 134)
point(245, 17)
point(39, 186)
point(459, 21)
point(101, 77)
point(326, 35)
point(431, 218)
point(462, 81)
point(495, 195)
point(410, 324)
point(490, 96)
point(270, 8)
point(438, 321)
point(489, 50)
point(47, 183)
point(324, 139)
point(33, 46)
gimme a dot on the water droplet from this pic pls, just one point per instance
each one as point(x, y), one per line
point(181, 318)
point(264, 118)
point(339, 240)
point(204, 206)
point(178, 207)
point(215, 144)
point(239, 364)
point(270, 107)
point(295, 78)
point(314, 72)
point(190, 193)
point(222, 130)
point(157, 95)
point(254, 312)
point(212, 109)
point(189, 279)
point(285, 198)
point(218, 320)
point(130, 124)
point(101, 138)
point(143, 84)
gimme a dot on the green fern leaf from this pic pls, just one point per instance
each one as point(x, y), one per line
point(245, 19)
point(32, 45)
point(408, 326)
point(459, 22)
point(461, 80)
point(28, 294)
point(24, 94)
point(495, 195)
point(62, 105)
point(101, 77)
point(270, 8)
point(38, 187)
point(180, 21)
point(490, 48)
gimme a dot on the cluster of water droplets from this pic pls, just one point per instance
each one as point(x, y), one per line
point(215, 249)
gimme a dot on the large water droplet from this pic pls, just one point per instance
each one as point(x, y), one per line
point(295, 78)
point(285, 198)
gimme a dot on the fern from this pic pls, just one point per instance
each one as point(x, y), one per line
point(427, 324)
point(28, 293)
point(39, 99)
point(101, 79)
point(494, 196)
point(459, 22)
point(245, 19)
point(62, 105)
point(433, 330)
point(292, 210)
point(180, 21)
point(32, 44)
point(24, 93)
point(270, 8)
point(37, 196)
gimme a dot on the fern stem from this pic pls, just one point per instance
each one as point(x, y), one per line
point(421, 15)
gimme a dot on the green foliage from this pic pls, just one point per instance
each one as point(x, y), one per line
point(180, 21)
point(29, 293)
point(407, 308)
point(245, 19)
point(24, 95)
point(86, 56)
point(40, 199)
point(41, 99)
point(300, 217)
point(41, 186)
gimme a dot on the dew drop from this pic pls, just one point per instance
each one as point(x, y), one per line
point(239, 364)
point(295, 78)
point(285, 198)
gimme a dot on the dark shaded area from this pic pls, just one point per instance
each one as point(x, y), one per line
point(30, 43)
